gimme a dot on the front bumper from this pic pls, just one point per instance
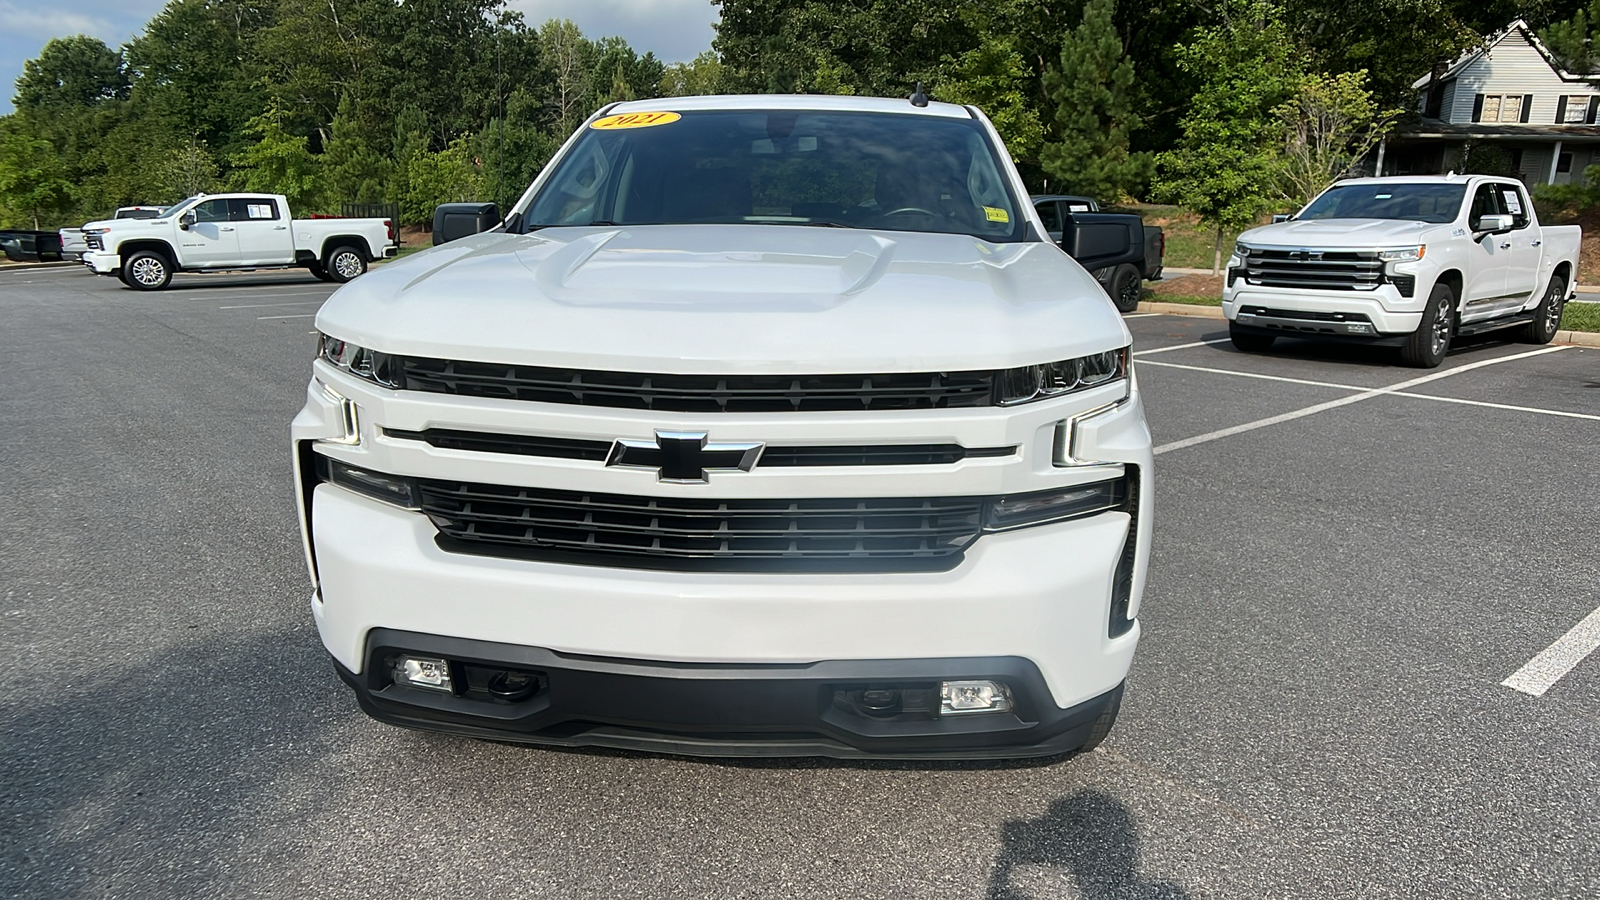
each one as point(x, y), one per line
point(1387, 312)
point(752, 710)
point(102, 263)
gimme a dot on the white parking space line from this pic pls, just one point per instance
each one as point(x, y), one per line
point(1180, 346)
point(1140, 315)
point(1527, 409)
point(1344, 401)
point(1167, 365)
point(1556, 660)
point(261, 305)
point(246, 290)
point(298, 316)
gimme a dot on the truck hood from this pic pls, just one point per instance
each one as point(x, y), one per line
point(1341, 234)
point(739, 299)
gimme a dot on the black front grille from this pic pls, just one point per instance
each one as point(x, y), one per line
point(520, 444)
point(614, 529)
point(701, 393)
point(93, 242)
point(1303, 314)
point(1327, 270)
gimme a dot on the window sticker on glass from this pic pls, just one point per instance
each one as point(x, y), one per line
point(1513, 202)
point(1383, 196)
point(1078, 207)
point(996, 215)
point(635, 120)
point(259, 210)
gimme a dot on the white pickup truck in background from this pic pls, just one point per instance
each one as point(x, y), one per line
point(234, 231)
point(1411, 262)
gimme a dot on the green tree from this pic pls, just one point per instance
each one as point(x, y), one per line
point(1227, 163)
point(699, 76)
point(280, 163)
point(451, 175)
point(569, 56)
point(1571, 41)
point(354, 170)
point(995, 78)
point(71, 73)
point(33, 180)
point(186, 170)
point(1330, 126)
point(1092, 92)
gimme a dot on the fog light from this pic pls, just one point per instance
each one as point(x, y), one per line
point(958, 697)
point(427, 672)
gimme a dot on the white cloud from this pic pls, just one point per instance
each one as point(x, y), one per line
point(674, 30)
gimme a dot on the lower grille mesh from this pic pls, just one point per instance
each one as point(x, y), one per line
point(663, 532)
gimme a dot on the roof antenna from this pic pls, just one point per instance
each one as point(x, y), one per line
point(918, 98)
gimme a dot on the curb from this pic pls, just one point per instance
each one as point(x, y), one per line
point(1180, 309)
point(1578, 338)
point(19, 267)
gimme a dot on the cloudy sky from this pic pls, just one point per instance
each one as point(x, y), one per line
point(675, 30)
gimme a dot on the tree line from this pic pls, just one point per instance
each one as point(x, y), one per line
point(1226, 107)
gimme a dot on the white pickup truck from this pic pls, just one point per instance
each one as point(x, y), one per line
point(760, 426)
point(1409, 261)
point(232, 232)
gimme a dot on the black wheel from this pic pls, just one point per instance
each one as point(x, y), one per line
point(1547, 315)
point(1102, 725)
point(321, 271)
point(121, 277)
point(345, 262)
point(1426, 347)
point(1248, 341)
point(146, 270)
point(1126, 288)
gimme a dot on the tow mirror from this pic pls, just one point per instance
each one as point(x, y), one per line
point(1280, 217)
point(187, 220)
point(453, 221)
point(1097, 240)
point(1494, 223)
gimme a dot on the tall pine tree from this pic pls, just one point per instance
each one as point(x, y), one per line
point(1093, 96)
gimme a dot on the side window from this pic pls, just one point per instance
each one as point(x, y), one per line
point(1050, 214)
point(1484, 203)
point(253, 209)
point(211, 211)
point(1512, 201)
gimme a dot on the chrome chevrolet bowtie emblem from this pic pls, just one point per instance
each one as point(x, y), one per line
point(684, 457)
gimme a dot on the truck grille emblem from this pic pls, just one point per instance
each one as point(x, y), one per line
point(684, 457)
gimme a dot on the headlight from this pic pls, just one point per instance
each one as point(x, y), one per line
point(1241, 251)
point(378, 368)
point(1055, 379)
point(395, 489)
point(94, 230)
point(1403, 254)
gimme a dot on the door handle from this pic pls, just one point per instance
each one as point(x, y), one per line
point(1506, 246)
point(1535, 243)
point(279, 227)
point(224, 228)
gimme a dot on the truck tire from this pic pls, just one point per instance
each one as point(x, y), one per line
point(320, 270)
point(147, 270)
point(344, 263)
point(1547, 315)
point(1249, 342)
point(1126, 288)
point(1426, 347)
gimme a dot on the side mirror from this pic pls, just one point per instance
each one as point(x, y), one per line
point(1281, 217)
point(1494, 224)
point(187, 220)
point(1097, 240)
point(453, 221)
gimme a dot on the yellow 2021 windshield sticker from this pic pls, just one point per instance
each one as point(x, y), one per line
point(996, 215)
point(635, 120)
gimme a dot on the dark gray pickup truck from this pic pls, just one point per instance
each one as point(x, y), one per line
point(1123, 281)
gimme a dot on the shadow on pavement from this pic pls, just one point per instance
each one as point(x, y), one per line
point(1091, 837)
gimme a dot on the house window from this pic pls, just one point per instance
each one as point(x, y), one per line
point(1564, 162)
point(1573, 109)
point(1501, 107)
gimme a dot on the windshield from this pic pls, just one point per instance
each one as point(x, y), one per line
point(178, 206)
point(143, 212)
point(886, 171)
point(1436, 203)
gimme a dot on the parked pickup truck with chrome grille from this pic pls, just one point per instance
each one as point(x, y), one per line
point(231, 232)
point(1411, 262)
point(759, 426)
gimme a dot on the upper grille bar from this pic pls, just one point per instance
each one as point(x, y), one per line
point(1358, 270)
point(700, 393)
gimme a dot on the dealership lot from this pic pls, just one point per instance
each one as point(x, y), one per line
point(1350, 559)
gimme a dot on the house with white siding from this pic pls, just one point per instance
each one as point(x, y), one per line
point(1511, 94)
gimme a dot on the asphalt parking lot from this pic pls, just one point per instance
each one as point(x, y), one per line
point(1350, 559)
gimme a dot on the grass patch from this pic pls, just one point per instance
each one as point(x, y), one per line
point(1581, 317)
point(1188, 299)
